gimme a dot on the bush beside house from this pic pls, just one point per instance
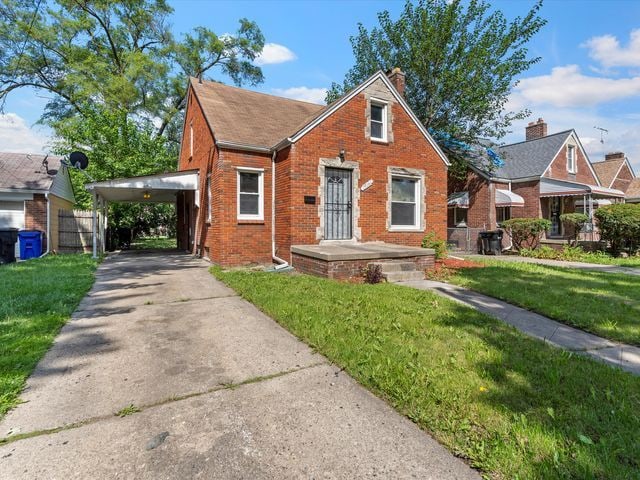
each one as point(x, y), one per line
point(620, 226)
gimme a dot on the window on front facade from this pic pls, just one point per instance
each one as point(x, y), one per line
point(378, 121)
point(250, 195)
point(190, 140)
point(459, 217)
point(405, 210)
point(209, 198)
point(503, 214)
point(571, 159)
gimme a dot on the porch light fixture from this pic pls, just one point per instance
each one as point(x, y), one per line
point(146, 195)
point(342, 152)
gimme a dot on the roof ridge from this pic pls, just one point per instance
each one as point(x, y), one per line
point(211, 82)
point(536, 139)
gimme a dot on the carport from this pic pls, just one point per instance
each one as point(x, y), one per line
point(180, 188)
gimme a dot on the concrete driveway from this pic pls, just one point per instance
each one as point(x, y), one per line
point(223, 392)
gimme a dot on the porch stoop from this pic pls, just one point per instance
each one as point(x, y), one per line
point(349, 260)
point(399, 271)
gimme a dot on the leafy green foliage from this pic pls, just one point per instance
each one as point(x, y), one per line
point(526, 232)
point(461, 60)
point(38, 298)
point(373, 274)
point(573, 222)
point(605, 304)
point(128, 410)
point(619, 224)
point(479, 387)
point(431, 240)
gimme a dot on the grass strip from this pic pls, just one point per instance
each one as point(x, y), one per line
point(604, 304)
point(37, 298)
point(511, 405)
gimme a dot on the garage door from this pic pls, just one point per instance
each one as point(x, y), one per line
point(12, 216)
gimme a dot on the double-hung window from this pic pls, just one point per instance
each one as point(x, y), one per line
point(503, 214)
point(405, 205)
point(250, 194)
point(209, 198)
point(571, 159)
point(378, 121)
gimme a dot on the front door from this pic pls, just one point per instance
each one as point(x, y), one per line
point(555, 210)
point(337, 204)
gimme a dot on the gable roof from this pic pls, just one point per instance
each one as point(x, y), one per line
point(608, 170)
point(256, 121)
point(530, 158)
point(24, 171)
point(633, 191)
point(251, 119)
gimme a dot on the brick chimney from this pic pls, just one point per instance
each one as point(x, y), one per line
point(614, 156)
point(536, 130)
point(397, 78)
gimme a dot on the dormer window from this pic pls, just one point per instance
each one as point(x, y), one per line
point(571, 159)
point(378, 121)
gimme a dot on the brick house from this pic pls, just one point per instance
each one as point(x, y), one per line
point(542, 177)
point(33, 188)
point(277, 173)
point(616, 172)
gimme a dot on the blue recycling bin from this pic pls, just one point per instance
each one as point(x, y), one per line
point(30, 244)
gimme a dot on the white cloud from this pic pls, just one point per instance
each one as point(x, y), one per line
point(273, 53)
point(306, 94)
point(607, 50)
point(567, 87)
point(17, 136)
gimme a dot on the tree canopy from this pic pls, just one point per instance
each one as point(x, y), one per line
point(461, 61)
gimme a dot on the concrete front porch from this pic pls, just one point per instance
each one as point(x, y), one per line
point(346, 260)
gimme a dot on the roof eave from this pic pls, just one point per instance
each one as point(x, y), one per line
point(242, 146)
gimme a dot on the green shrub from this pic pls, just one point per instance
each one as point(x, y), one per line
point(619, 225)
point(526, 232)
point(431, 240)
point(574, 223)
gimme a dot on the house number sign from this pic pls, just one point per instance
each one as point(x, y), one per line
point(366, 185)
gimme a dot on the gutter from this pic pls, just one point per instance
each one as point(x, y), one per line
point(282, 264)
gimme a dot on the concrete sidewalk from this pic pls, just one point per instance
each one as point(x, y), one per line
point(559, 263)
point(621, 355)
point(224, 392)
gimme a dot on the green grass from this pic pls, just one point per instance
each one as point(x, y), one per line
point(36, 299)
point(512, 406)
point(609, 260)
point(153, 243)
point(605, 304)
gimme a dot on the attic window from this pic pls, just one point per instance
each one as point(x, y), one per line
point(378, 122)
point(571, 159)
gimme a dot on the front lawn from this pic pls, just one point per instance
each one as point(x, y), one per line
point(154, 243)
point(512, 406)
point(605, 304)
point(36, 299)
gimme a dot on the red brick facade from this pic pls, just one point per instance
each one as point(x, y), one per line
point(623, 179)
point(558, 168)
point(35, 216)
point(226, 240)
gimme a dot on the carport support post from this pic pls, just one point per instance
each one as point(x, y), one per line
point(95, 225)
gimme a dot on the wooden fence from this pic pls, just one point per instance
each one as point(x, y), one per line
point(75, 231)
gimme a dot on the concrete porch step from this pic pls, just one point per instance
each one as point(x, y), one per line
point(403, 276)
point(397, 266)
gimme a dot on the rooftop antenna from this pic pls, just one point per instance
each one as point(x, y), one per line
point(602, 132)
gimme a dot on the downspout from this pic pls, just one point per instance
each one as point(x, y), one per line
point(46, 196)
point(281, 263)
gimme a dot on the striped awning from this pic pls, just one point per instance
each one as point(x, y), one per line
point(561, 188)
point(506, 198)
point(459, 199)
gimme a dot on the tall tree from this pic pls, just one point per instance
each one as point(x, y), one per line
point(461, 59)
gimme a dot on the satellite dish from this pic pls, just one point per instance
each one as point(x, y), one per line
point(78, 160)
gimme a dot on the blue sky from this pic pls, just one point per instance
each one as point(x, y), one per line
point(589, 74)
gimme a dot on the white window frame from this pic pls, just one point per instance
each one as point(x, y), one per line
point(191, 139)
point(462, 222)
point(572, 162)
point(209, 215)
point(417, 200)
point(260, 173)
point(385, 120)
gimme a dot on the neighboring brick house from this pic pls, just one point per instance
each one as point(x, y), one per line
point(542, 177)
point(276, 172)
point(616, 172)
point(33, 188)
point(632, 195)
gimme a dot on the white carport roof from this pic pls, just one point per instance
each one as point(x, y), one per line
point(458, 199)
point(161, 188)
point(550, 187)
point(506, 198)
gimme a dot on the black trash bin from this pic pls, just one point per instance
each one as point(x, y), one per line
point(491, 242)
point(8, 239)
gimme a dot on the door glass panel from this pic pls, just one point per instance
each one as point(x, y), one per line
point(337, 204)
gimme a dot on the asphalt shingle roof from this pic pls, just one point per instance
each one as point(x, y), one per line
point(531, 158)
point(22, 171)
point(607, 170)
point(250, 118)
